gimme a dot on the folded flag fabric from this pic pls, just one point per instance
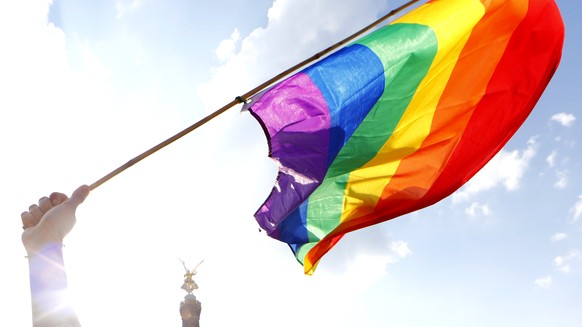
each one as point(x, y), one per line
point(403, 117)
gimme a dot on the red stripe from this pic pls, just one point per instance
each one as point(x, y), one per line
point(530, 60)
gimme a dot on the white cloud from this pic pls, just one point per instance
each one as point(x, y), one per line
point(559, 237)
point(577, 209)
point(564, 262)
point(561, 175)
point(562, 181)
point(477, 209)
point(40, 87)
point(226, 48)
point(506, 168)
point(401, 249)
point(564, 119)
point(551, 159)
point(544, 282)
point(125, 6)
point(561, 263)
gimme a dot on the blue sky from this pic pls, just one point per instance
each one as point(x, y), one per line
point(86, 86)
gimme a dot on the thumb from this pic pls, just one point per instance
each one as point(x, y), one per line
point(79, 195)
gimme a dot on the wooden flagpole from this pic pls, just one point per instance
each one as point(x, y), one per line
point(247, 95)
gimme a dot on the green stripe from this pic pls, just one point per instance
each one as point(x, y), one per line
point(407, 52)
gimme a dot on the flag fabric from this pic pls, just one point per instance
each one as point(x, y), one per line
point(403, 117)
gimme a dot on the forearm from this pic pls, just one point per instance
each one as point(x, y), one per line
point(48, 288)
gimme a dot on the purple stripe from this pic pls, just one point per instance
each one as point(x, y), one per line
point(293, 113)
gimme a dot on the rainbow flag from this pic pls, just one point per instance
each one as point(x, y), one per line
point(403, 117)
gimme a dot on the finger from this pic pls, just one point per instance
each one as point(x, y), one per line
point(35, 211)
point(79, 195)
point(58, 198)
point(28, 220)
point(45, 204)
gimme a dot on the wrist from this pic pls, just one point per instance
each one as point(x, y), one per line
point(36, 242)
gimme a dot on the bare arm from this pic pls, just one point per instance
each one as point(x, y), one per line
point(45, 225)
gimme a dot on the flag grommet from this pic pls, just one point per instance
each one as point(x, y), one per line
point(241, 99)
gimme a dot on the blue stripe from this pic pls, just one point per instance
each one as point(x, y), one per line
point(364, 73)
point(292, 229)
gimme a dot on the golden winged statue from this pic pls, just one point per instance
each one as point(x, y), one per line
point(189, 283)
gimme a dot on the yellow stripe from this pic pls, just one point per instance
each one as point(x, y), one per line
point(452, 22)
